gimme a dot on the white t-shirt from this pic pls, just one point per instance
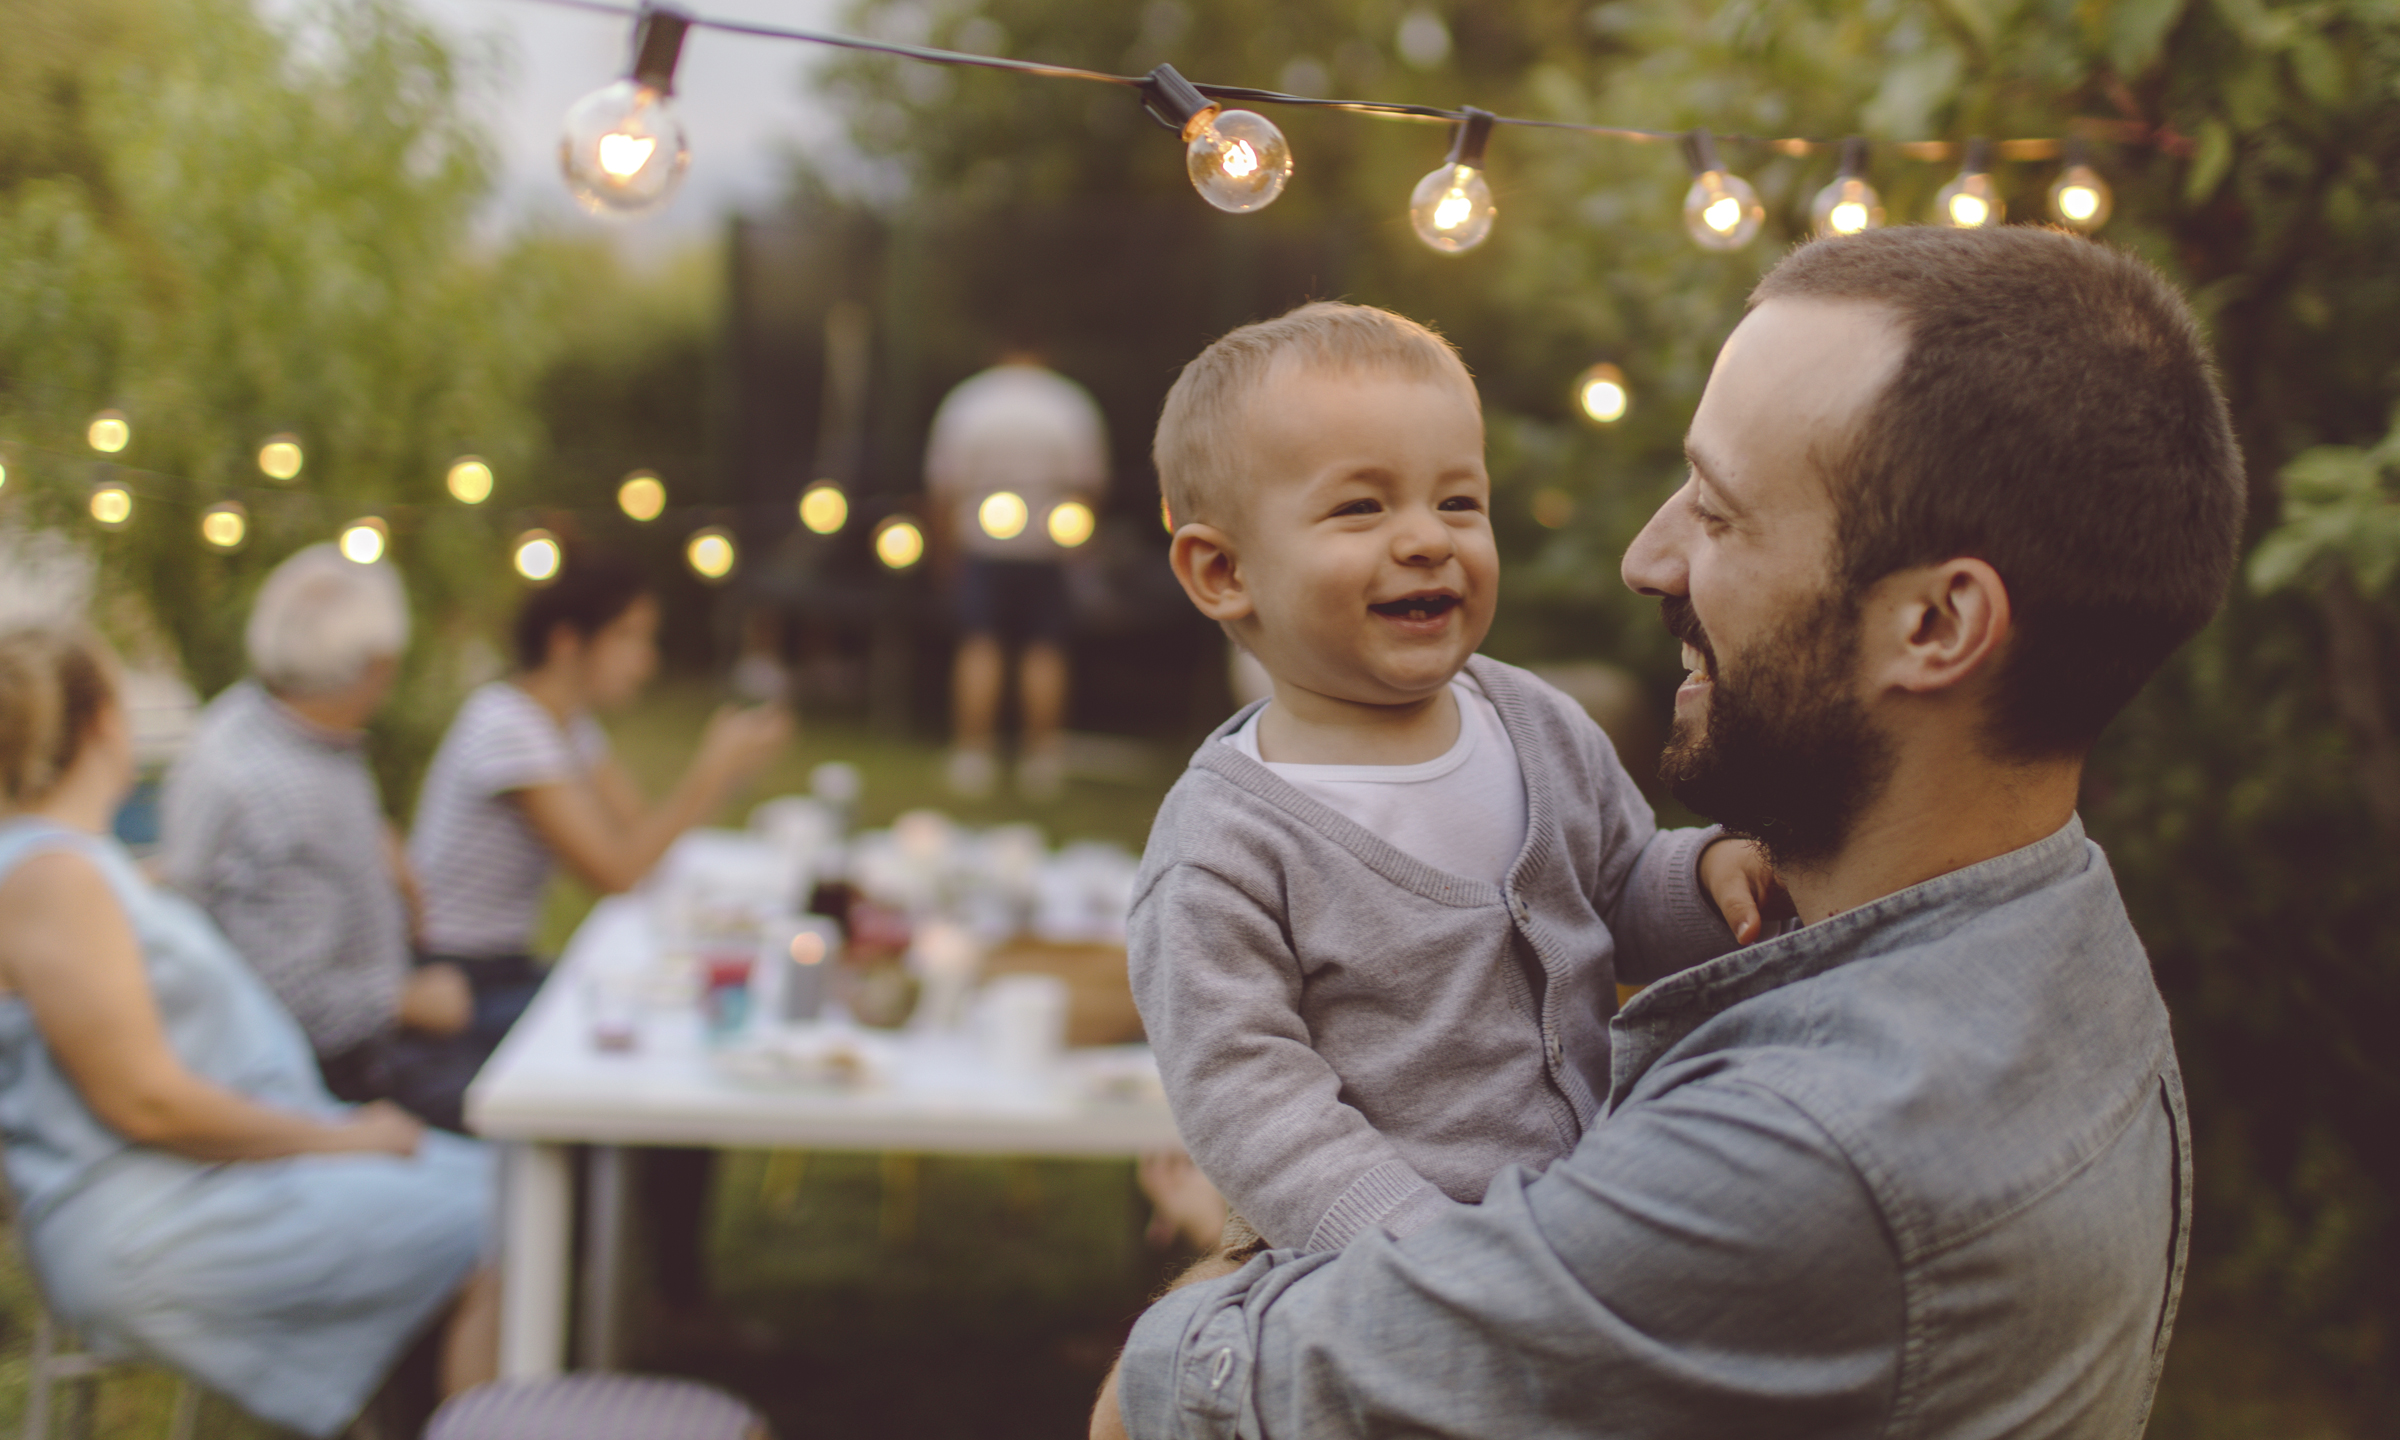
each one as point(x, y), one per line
point(1019, 428)
point(479, 860)
point(1463, 812)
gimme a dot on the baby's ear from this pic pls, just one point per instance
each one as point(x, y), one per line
point(1210, 572)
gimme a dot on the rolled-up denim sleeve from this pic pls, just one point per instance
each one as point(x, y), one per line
point(1704, 1264)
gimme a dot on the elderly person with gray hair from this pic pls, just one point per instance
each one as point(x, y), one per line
point(271, 821)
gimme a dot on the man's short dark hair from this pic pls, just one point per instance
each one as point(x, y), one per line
point(593, 588)
point(2057, 416)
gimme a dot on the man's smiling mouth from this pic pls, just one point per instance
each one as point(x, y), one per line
point(1417, 607)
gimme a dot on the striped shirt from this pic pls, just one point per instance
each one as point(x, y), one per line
point(272, 824)
point(480, 863)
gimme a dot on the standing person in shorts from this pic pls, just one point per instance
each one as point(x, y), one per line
point(1009, 446)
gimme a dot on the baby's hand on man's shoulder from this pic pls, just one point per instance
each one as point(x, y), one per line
point(1737, 877)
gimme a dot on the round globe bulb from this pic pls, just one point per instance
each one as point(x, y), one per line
point(2081, 199)
point(1721, 211)
point(624, 151)
point(362, 541)
point(1237, 159)
point(109, 432)
point(710, 553)
point(1002, 515)
point(1070, 524)
point(280, 458)
point(470, 480)
point(112, 506)
point(224, 526)
point(899, 543)
point(1452, 209)
point(536, 556)
point(1969, 202)
point(824, 509)
point(1601, 394)
point(1848, 206)
point(642, 497)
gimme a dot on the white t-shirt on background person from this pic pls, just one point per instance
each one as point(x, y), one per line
point(479, 861)
point(1463, 811)
point(1023, 429)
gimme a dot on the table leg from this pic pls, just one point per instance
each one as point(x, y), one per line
point(533, 1294)
point(605, 1190)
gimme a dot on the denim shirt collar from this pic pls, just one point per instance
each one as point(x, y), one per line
point(1655, 1020)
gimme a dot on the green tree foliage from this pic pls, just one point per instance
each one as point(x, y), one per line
point(2252, 147)
point(227, 230)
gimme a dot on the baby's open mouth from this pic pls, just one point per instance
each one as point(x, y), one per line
point(1417, 607)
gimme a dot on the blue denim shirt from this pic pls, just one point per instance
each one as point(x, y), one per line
point(1917, 1170)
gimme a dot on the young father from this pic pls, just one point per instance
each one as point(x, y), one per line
point(1918, 1166)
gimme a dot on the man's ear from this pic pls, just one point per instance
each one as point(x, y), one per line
point(1941, 625)
point(1210, 572)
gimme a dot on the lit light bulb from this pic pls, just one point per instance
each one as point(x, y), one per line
point(642, 497)
point(1971, 201)
point(624, 151)
point(1166, 515)
point(3, 473)
point(710, 553)
point(1237, 159)
point(1849, 205)
point(824, 509)
point(1002, 515)
point(223, 526)
point(112, 506)
point(1451, 208)
point(1553, 509)
point(109, 432)
point(1601, 394)
point(1720, 211)
point(899, 543)
point(470, 480)
point(280, 457)
point(1070, 524)
point(363, 540)
point(536, 556)
point(2079, 197)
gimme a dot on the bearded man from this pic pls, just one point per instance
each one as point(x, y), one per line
point(1916, 1166)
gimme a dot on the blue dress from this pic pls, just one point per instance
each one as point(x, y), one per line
point(290, 1286)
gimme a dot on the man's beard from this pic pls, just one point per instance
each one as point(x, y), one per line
point(1785, 753)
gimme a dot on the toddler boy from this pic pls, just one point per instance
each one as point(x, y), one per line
point(1380, 919)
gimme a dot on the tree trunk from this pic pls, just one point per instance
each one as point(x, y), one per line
point(2353, 651)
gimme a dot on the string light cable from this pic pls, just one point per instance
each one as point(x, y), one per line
point(624, 152)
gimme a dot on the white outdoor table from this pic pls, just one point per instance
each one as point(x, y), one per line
point(549, 1087)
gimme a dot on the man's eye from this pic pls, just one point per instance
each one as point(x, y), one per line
point(1462, 502)
point(1358, 507)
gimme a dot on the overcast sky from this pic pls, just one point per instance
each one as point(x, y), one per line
point(745, 103)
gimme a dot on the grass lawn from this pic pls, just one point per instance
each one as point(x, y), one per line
point(922, 1298)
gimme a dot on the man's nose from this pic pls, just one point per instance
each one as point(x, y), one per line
point(1654, 563)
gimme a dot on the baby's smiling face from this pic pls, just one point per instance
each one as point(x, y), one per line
point(1364, 537)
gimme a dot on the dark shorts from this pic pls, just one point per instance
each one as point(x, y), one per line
point(427, 1075)
point(1015, 601)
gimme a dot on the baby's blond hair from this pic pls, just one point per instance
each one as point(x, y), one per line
point(1197, 448)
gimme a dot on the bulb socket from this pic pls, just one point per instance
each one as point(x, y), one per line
point(1979, 157)
point(1854, 159)
point(1473, 135)
point(1700, 152)
point(1174, 101)
point(658, 45)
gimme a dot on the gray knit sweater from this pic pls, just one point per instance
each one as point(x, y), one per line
point(1352, 1038)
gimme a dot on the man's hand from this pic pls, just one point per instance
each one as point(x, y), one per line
point(1736, 876)
point(437, 1000)
point(1182, 1202)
